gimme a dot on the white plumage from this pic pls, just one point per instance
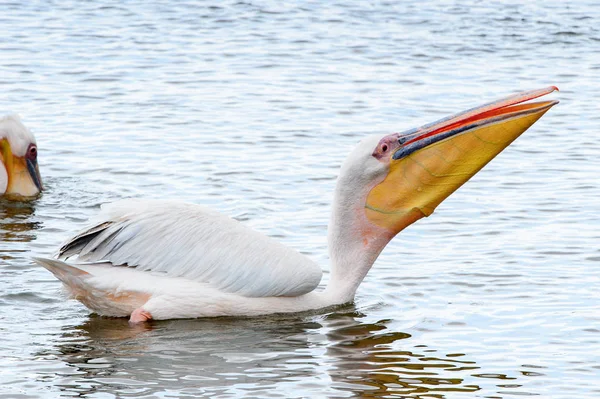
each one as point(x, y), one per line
point(189, 241)
point(17, 135)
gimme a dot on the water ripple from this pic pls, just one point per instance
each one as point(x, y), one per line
point(250, 108)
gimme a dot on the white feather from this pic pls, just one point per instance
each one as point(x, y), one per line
point(18, 136)
point(189, 241)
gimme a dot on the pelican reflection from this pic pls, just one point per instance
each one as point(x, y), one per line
point(336, 354)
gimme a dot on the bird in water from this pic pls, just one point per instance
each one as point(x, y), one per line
point(19, 173)
point(164, 259)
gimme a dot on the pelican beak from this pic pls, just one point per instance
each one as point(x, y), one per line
point(431, 162)
point(23, 174)
point(34, 173)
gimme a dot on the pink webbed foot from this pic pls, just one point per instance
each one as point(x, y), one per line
point(139, 316)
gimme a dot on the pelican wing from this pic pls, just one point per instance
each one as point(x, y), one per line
point(190, 241)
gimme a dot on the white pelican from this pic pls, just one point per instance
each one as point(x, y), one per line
point(164, 259)
point(19, 173)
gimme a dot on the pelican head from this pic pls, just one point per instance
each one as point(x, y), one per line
point(19, 174)
point(389, 182)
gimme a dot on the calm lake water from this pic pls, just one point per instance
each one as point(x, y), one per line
point(250, 108)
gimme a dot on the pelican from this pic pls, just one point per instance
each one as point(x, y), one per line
point(164, 259)
point(19, 174)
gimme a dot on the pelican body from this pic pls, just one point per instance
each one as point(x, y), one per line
point(19, 172)
point(164, 259)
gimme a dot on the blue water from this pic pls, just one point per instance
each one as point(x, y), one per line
point(250, 108)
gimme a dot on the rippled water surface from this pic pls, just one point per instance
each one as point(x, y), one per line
point(250, 107)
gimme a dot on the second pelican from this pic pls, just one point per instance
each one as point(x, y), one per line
point(19, 172)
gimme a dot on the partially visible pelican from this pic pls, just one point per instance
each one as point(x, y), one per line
point(164, 259)
point(19, 173)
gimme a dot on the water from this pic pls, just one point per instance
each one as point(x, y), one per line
point(250, 108)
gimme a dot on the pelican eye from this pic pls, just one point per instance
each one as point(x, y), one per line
point(384, 148)
point(32, 152)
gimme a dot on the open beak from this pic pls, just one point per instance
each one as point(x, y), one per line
point(433, 161)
